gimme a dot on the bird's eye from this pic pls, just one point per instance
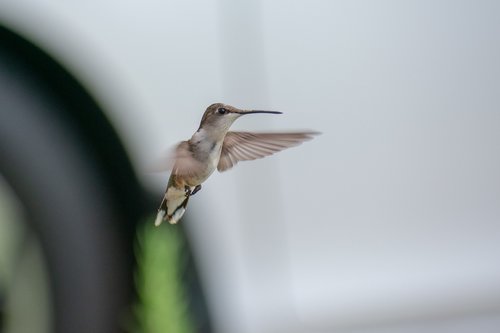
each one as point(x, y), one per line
point(221, 111)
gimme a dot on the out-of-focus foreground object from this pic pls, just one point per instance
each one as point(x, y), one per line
point(65, 229)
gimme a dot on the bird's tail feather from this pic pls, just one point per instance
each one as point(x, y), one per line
point(162, 212)
point(176, 215)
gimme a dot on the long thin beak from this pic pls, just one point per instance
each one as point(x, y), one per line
point(258, 111)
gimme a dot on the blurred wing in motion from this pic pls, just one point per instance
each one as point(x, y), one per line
point(163, 163)
point(185, 164)
point(180, 160)
point(246, 146)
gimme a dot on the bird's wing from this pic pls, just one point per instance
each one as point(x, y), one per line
point(179, 159)
point(246, 146)
point(184, 163)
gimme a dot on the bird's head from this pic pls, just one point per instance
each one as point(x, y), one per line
point(221, 116)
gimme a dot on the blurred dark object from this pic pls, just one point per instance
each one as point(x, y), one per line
point(66, 165)
point(80, 197)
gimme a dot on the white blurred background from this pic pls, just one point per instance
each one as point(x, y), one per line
point(387, 222)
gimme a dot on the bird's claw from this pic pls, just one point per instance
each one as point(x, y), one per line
point(188, 191)
point(196, 189)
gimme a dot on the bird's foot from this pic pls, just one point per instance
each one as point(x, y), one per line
point(188, 191)
point(196, 189)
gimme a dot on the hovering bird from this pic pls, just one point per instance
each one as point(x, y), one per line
point(212, 147)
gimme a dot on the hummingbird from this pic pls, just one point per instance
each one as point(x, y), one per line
point(212, 147)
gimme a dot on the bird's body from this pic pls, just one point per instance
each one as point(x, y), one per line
point(212, 147)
